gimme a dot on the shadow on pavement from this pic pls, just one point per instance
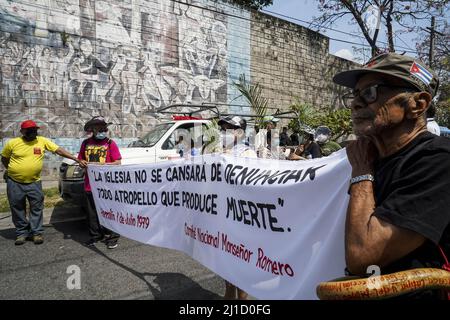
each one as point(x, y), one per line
point(51, 216)
point(70, 211)
point(162, 286)
point(8, 234)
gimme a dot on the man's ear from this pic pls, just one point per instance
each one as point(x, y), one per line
point(418, 105)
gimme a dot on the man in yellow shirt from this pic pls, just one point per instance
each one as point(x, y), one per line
point(23, 158)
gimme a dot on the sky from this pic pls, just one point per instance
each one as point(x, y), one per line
point(307, 9)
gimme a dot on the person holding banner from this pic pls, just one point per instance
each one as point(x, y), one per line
point(23, 158)
point(98, 149)
point(233, 137)
point(310, 149)
point(398, 216)
point(263, 139)
point(234, 142)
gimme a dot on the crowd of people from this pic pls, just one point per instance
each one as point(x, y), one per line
point(397, 217)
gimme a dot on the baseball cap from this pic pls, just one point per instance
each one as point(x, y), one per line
point(28, 124)
point(307, 129)
point(96, 121)
point(270, 119)
point(236, 121)
point(406, 68)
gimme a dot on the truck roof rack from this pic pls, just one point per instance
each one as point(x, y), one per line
point(214, 108)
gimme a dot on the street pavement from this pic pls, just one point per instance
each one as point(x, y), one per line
point(131, 271)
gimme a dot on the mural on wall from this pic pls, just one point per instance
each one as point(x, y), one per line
point(66, 60)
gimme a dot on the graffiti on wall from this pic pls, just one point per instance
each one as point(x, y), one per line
point(66, 60)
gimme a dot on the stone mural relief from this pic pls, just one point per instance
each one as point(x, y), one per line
point(122, 59)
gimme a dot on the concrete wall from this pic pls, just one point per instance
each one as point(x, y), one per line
point(291, 62)
point(64, 61)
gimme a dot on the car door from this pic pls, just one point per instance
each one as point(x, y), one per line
point(184, 137)
point(168, 149)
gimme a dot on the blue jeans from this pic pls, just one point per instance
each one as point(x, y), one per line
point(17, 195)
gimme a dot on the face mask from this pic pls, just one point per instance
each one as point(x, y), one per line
point(30, 134)
point(100, 135)
point(321, 138)
point(227, 138)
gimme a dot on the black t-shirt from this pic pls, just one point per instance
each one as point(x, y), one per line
point(313, 149)
point(412, 191)
point(284, 139)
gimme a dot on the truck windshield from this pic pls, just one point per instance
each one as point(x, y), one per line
point(152, 137)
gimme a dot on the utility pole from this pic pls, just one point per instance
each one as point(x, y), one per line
point(431, 54)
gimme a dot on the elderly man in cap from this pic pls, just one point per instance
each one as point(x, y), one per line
point(233, 137)
point(233, 141)
point(398, 215)
point(99, 149)
point(23, 157)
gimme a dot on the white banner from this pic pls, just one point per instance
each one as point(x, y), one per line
point(273, 228)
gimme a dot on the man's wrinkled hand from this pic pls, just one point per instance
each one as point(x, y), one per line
point(361, 154)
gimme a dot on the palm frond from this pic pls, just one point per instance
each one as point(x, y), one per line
point(254, 97)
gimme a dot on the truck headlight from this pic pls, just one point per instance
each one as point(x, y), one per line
point(74, 172)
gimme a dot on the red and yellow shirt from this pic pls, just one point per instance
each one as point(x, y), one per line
point(26, 158)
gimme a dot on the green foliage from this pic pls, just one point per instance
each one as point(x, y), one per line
point(64, 37)
point(51, 199)
point(403, 15)
point(211, 138)
point(306, 116)
point(253, 4)
point(442, 115)
point(253, 95)
point(338, 120)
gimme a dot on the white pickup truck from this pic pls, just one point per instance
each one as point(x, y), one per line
point(157, 145)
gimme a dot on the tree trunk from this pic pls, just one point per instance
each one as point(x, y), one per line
point(390, 31)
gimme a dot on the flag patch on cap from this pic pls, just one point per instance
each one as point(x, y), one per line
point(421, 73)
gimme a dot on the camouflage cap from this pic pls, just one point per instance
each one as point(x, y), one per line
point(406, 68)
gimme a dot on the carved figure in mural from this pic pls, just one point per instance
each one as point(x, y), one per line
point(218, 36)
point(182, 83)
point(203, 54)
point(119, 63)
point(129, 79)
point(58, 64)
point(154, 89)
point(43, 63)
point(29, 78)
point(200, 58)
point(84, 77)
point(10, 56)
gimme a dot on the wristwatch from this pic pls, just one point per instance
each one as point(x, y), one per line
point(364, 177)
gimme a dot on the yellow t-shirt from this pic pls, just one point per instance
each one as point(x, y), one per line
point(26, 158)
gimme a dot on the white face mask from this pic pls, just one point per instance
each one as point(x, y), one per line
point(100, 135)
point(321, 138)
point(227, 138)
